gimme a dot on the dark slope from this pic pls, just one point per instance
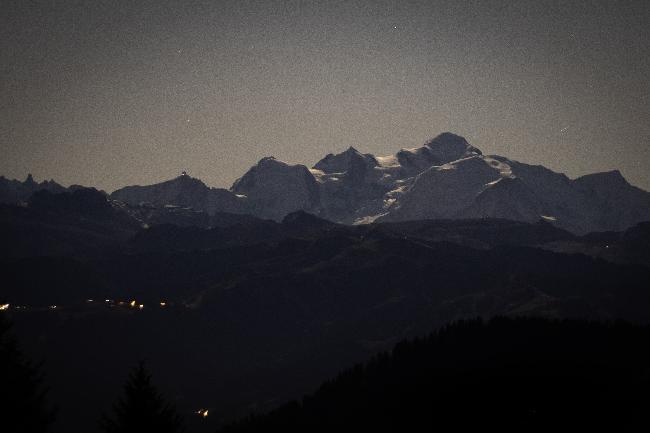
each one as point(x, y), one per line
point(480, 233)
point(258, 312)
point(256, 325)
point(80, 223)
point(629, 246)
point(508, 375)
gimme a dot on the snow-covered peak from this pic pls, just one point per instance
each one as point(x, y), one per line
point(345, 161)
point(448, 147)
point(446, 177)
point(274, 188)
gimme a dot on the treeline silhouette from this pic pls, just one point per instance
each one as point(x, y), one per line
point(508, 374)
point(24, 407)
point(142, 408)
point(521, 374)
point(23, 403)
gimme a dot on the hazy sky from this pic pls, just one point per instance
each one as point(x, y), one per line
point(110, 93)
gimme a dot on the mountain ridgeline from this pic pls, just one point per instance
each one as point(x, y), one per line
point(505, 374)
point(446, 178)
point(242, 299)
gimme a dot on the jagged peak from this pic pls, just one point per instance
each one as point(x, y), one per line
point(450, 145)
point(29, 180)
point(340, 162)
point(442, 149)
point(271, 161)
point(352, 150)
point(268, 165)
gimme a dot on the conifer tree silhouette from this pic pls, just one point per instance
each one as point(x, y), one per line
point(142, 408)
point(23, 406)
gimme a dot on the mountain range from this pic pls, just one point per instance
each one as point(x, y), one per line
point(253, 295)
point(446, 178)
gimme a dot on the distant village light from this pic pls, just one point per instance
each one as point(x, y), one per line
point(4, 307)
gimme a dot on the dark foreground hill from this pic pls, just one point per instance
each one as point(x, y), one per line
point(252, 326)
point(242, 313)
point(506, 374)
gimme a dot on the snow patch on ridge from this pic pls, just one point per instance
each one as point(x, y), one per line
point(389, 161)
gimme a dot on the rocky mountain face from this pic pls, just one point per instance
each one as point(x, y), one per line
point(183, 191)
point(80, 222)
point(445, 178)
point(274, 189)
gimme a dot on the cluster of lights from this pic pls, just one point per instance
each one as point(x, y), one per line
point(132, 304)
point(4, 307)
point(202, 412)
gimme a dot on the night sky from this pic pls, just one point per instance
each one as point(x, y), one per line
point(111, 93)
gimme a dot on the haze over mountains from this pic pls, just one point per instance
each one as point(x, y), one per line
point(446, 178)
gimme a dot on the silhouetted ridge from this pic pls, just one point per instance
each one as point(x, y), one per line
point(446, 177)
point(302, 218)
point(81, 201)
point(351, 159)
point(24, 405)
point(15, 191)
point(595, 179)
point(508, 374)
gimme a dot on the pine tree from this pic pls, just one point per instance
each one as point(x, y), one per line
point(23, 406)
point(142, 408)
